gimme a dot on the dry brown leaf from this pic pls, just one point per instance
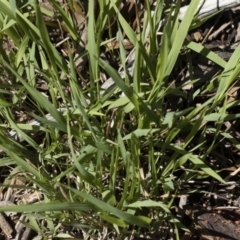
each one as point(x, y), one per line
point(115, 44)
point(197, 36)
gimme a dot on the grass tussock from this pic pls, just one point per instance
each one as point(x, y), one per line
point(108, 162)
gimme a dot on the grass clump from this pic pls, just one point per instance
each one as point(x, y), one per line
point(107, 162)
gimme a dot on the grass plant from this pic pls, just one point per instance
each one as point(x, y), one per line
point(110, 163)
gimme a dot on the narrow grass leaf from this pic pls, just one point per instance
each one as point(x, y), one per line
point(113, 220)
point(102, 206)
point(37, 96)
point(81, 109)
point(200, 164)
point(181, 33)
point(148, 203)
point(13, 6)
point(25, 165)
point(215, 117)
point(52, 206)
point(141, 133)
point(196, 47)
point(45, 38)
point(65, 19)
point(87, 153)
point(132, 36)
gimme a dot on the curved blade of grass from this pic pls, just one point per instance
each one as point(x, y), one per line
point(182, 124)
point(135, 162)
point(6, 9)
point(141, 133)
point(231, 139)
point(25, 165)
point(200, 164)
point(13, 6)
point(26, 25)
point(19, 131)
point(45, 37)
point(229, 75)
point(66, 20)
point(85, 175)
point(161, 67)
point(148, 203)
point(21, 50)
point(92, 46)
point(122, 148)
point(206, 53)
point(133, 38)
point(76, 96)
point(10, 146)
point(102, 206)
point(113, 220)
point(215, 117)
point(128, 91)
point(195, 160)
point(39, 98)
point(53, 206)
point(181, 33)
